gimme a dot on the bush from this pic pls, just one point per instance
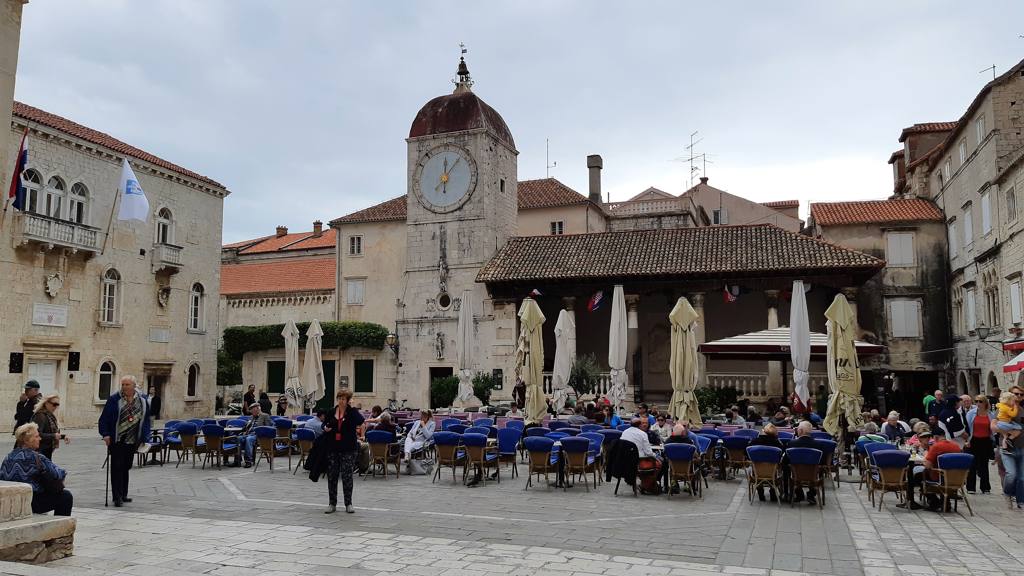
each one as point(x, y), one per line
point(584, 374)
point(241, 339)
point(715, 400)
point(483, 383)
point(443, 391)
point(229, 370)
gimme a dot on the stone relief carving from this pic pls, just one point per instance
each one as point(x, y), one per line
point(54, 282)
point(439, 345)
point(456, 304)
point(163, 296)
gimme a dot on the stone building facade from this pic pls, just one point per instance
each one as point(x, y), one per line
point(10, 40)
point(85, 307)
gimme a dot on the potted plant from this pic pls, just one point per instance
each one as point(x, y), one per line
point(584, 374)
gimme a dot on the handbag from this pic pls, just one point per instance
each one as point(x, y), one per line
point(51, 486)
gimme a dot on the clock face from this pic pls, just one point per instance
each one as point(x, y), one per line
point(445, 178)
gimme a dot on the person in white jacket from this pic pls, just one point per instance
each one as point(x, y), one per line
point(420, 434)
point(894, 428)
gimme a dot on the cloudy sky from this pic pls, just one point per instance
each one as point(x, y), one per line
point(301, 108)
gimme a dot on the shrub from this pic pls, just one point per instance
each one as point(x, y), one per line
point(241, 339)
point(229, 370)
point(584, 374)
point(483, 383)
point(443, 391)
point(715, 400)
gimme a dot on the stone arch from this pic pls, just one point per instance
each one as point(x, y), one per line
point(961, 383)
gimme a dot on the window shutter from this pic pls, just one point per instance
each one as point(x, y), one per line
point(952, 239)
point(897, 318)
point(725, 216)
point(913, 317)
point(1015, 312)
point(986, 213)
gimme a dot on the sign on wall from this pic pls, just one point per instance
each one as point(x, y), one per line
point(50, 315)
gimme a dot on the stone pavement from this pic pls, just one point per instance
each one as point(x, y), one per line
point(234, 521)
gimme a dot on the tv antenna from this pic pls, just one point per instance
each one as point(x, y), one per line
point(992, 68)
point(548, 164)
point(693, 157)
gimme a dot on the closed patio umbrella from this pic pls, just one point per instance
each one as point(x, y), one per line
point(312, 364)
point(800, 347)
point(530, 359)
point(683, 366)
point(292, 384)
point(843, 370)
point(464, 341)
point(565, 353)
point(617, 349)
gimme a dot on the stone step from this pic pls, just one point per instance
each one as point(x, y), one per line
point(15, 501)
point(37, 539)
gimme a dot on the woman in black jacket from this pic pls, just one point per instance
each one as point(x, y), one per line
point(341, 427)
point(45, 417)
point(769, 437)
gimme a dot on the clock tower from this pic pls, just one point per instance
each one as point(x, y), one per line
point(462, 207)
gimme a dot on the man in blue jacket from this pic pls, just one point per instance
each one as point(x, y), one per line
point(124, 424)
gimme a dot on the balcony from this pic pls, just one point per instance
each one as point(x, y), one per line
point(600, 389)
point(166, 257)
point(53, 233)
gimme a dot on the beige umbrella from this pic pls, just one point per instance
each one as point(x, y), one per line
point(530, 359)
point(617, 340)
point(292, 383)
point(464, 341)
point(565, 354)
point(843, 370)
point(683, 366)
point(312, 365)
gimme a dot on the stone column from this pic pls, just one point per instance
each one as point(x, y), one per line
point(775, 376)
point(700, 332)
point(632, 345)
point(851, 296)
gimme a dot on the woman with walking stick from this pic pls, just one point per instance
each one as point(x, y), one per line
point(341, 428)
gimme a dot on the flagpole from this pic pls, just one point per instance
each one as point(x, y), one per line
point(110, 222)
point(17, 160)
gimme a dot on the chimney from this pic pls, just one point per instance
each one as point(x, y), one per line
point(704, 180)
point(318, 228)
point(595, 164)
point(282, 231)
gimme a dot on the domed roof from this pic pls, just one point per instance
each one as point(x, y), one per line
point(461, 110)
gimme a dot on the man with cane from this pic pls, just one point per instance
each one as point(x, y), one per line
point(124, 424)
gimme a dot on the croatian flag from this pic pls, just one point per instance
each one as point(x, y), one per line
point(134, 205)
point(596, 301)
point(731, 293)
point(17, 191)
point(535, 292)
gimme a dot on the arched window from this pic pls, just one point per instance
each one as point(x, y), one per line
point(193, 380)
point(110, 309)
point(164, 227)
point(197, 297)
point(34, 185)
point(106, 380)
point(53, 203)
point(78, 204)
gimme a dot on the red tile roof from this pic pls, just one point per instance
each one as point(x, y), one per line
point(244, 243)
point(296, 241)
point(875, 211)
point(782, 204)
point(895, 156)
point(541, 193)
point(714, 251)
point(925, 127)
point(279, 275)
point(38, 116)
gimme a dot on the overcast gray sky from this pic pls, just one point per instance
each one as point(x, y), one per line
point(301, 108)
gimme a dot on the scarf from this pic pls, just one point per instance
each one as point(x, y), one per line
point(128, 420)
point(340, 417)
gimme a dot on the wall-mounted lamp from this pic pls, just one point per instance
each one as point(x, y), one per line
point(392, 341)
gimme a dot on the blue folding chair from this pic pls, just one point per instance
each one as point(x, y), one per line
point(570, 431)
point(746, 433)
point(517, 424)
point(557, 424)
point(889, 474)
point(483, 422)
point(508, 441)
point(711, 432)
point(218, 446)
point(541, 458)
point(382, 453)
point(821, 435)
point(785, 436)
point(680, 459)
point(765, 462)
point(479, 456)
point(952, 470)
point(596, 448)
point(267, 447)
point(590, 427)
point(829, 468)
point(537, 431)
point(188, 442)
point(478, 430)
point(445, 423)
point(457, 428)
point(736, 451)
point(579, 460)
point(303, 417)
point(623, 427)
point(304, 439)
point(450, 454)
point(556, 435)
point(237, 423)
point(803, 471)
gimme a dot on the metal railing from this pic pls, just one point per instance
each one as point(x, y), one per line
point(39, 228)
point(166, 256)
point(644, 206)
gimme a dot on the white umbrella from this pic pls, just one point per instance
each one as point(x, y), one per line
point(313, 366)
point(617, 349)
point(800, 346)
point(565, 352)
point(683, 366)
point(530, 359)
point(292, 384)
point(464, 341)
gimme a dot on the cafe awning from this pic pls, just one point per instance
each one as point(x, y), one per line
point(1015, 365)
point(773, 344)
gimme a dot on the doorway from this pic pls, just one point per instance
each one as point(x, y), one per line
point(156, 382)
point(44, 372)
point(440, 372)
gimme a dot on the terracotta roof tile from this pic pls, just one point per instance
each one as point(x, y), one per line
point(781, 204)
point(542, 193)
point(38, 116)
point(296, 241)
point(895, 156)
point(718, 251)
point(284, 275)
point(547, 192)
point(244, 243)
point(875, 211)
point(925, 127)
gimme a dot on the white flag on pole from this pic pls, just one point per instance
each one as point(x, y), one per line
point(134, 205)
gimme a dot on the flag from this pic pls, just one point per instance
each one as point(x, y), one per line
point(134, 205)
point(596, 301)
point(731, 293)
point(536, 292)
point(17, 191)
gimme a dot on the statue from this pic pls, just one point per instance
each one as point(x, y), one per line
point(439, 346)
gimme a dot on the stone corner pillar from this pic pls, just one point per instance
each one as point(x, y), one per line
point(776, 380)
point(632, 345)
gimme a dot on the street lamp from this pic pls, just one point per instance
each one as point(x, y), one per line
point(392, 341)
point(983, 331)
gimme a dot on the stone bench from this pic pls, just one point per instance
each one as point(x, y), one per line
point(28, 537)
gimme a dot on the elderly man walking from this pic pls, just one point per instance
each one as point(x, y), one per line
point(124, 424)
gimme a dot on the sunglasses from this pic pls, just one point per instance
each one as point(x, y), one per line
point(55, 404)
